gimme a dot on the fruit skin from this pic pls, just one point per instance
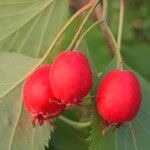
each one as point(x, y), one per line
point(71, 77)
point(38, 97)
point(119, 97)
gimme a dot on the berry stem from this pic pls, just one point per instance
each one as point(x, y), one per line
point(102, 15)
point(85, 33)
point(104, 12)
point(76, 37)
point(121, 18)
point(75, 124)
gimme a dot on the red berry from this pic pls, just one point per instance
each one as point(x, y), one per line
point(38, 97)
point(71, 77)
point(119, 97)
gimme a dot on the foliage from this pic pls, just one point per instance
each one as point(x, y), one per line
point(27, 27)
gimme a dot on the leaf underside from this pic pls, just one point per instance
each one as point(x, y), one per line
point(27, 29)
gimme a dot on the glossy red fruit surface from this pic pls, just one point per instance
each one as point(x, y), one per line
point(71, 77)
point(119, 96)
point(38, 97)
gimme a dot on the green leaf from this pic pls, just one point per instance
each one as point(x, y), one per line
point(10, 109)
point(16, 14)
point(126, 137)
point(35, 138)
point(30, 26)
point(27, 27)
point(67, 137)
point(13, 67)
point(16, 128)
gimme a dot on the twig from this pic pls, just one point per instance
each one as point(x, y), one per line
point(93, 3)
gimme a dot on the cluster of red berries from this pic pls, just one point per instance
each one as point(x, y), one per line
point(52, 88)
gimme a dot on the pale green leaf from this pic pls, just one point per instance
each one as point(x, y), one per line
point(36, 30)
point(27, 27)
point(67, 137)
point(34, 138)
point(14, 15)
point(13, 67)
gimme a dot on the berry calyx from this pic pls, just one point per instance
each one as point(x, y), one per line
point(71, 77)
point(119, 97)
point(38, 97)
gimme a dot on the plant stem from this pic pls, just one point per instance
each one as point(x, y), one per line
point(104, 12)
point(76, 37)
point(108, 34)
point(112, 43)
point(85, 33)
point(121, 18)
point(75, 124)
point(101, 15)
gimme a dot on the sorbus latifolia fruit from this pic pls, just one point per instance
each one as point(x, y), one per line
point(38, 97)
point(119, 97)
point(70, 77)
